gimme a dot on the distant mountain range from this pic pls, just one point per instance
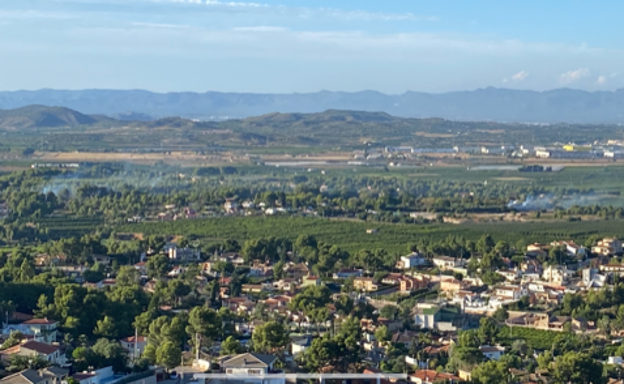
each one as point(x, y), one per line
point(490, 104)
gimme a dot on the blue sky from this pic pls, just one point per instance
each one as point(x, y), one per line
point(275, 46)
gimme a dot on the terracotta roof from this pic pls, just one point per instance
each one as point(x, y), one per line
point(131, 339)
point(41, 348)
point(43, 321)
point(431, 376)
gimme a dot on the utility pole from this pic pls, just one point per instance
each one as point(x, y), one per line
point(136, 340)
point(197, 346)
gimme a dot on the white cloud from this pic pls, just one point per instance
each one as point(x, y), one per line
point(517, 77)
point(601, 80)
point(573, 76)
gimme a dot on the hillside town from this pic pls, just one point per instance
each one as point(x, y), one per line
point(503, 314)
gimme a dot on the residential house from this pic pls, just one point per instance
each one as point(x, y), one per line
point(409, 284)
point(557, 274)
point(176, 271)
point(296, 271)
point(510, 292)
point(50, 353)
point(257, 288)
point(571, 248)
point(608, 246)
point(511, 274)
point(230, 206)
point(141, 267)
point(447, 263)
point(42, 330)
point(492, 352)
point(135, 345)
point(428, 376)
point(287, 284)
point(405, 337)
point(427, 315)
point(275, 302)
point(531, 267)
point(537, 247)
point(346, 273)
point(238, 304)
point(412, 260)
point(392, 279)
point(367, 284)
point(617, 269)
point(261, 271)
point(450, 285)
point(248, 364)
point(51, 375)
point(299, 344)
point(185, 254)
point(311, 280)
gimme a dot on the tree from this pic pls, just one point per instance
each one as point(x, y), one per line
point(231, 346)
point(205, 322)
point(323, 351)
point(382, 334)
point(501, 314)
point(389, 312)
point(27, 270)
point(157, 265)
point(168, 355)
point(13, 339)
point(19, 363)
point(577, 368)
point(127, 276)
point(488, 330)
point(110, 353)
point(311, 298)
point(490, 372)
point(269, 337)
point(106, 328)
point(485, 244)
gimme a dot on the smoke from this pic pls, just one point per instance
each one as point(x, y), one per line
point(533, 203)
point(114, 177)
point(550, 201)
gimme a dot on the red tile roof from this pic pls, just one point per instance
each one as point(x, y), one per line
point(43, 321)
point(42, 348)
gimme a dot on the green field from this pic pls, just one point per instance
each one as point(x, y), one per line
point(352, 236)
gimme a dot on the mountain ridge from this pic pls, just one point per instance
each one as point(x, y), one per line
point(486, 104)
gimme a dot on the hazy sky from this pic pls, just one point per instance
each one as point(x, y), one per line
point(310, 45)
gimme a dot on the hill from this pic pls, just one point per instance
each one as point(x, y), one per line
point(58, 128)
point(38, 116)
point(490, 104)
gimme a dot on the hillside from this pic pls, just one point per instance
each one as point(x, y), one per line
point(57, 128)
point(490, 104)
point(38, 116)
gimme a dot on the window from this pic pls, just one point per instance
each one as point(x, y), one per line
point(254, 372)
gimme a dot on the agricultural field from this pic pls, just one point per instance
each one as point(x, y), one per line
point(351, 235)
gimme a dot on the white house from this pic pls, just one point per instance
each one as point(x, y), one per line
point(134, 345)
point(42, 330)
point(447, 263)
point(182, 254)
point(252, 364)
point(556, 274)
point(426, 315)
point(511, 292)
point(492, 353)
point(412, 260)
